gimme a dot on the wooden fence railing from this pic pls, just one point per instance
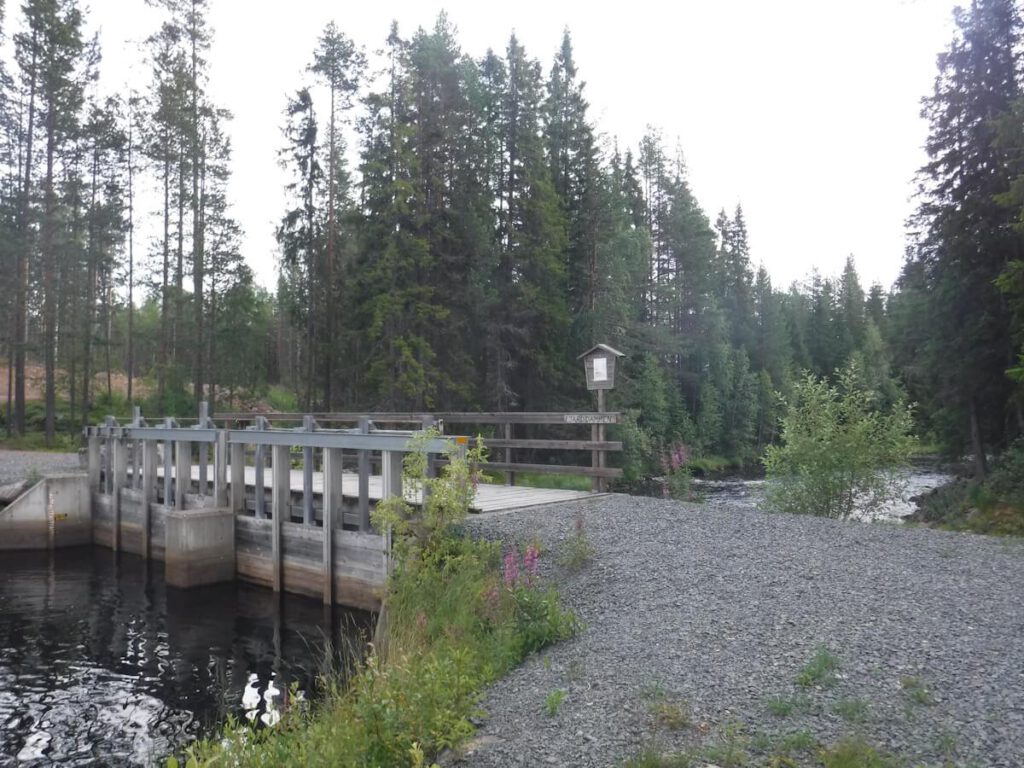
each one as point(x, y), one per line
point(506, 449)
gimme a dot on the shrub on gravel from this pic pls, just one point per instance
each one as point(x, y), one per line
point(838, 451)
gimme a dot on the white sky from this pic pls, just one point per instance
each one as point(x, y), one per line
point(804, 111)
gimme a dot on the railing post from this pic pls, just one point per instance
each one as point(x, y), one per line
point(108, 456)
point(220, 470)
point(364, 478)
point(204, 453)
point(391, 471)
point(331, 503)
point(280, 473)
point(259, 460)
point(119, 477)
point(510, 476)
point(168, 463)
point(136, 480)
point(238, 477)
point(308, 515)
point(93, 460)
point(182, 472)
point(148, 489)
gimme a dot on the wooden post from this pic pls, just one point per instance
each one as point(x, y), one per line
point(93, 454)
point(391, 469)
point(220, 470)
point(136, 481)
point(260, 463)
point(204, 451)
point(428, 423)
point(237, 478)
point(182, 472)
point(168, 459)
point(597, 456)
point(510, 476)
point(148, 488)
point(364, 479)
point(280, 473)
point(308, 515)
point(118, 481)
point(332, 503)
point(108, 457)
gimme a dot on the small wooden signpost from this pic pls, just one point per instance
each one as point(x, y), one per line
point(599, 362)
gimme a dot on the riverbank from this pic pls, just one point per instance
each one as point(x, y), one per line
point(736, 633)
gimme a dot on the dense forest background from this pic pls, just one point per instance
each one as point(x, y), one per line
point(458, 230)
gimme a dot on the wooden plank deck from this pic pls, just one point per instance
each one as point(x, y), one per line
point(489, 497)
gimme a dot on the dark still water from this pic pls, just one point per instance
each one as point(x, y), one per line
point(102, 664)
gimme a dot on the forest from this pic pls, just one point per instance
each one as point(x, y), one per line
point(458, 229)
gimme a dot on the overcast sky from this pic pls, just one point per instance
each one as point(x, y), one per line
point(804, 111)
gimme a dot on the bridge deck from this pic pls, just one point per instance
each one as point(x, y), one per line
point(489, 497)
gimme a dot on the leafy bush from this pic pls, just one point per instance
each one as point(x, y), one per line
point(838, 451)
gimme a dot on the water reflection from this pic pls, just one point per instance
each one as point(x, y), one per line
point(100, 663)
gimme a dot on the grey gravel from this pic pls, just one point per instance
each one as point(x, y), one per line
point(21, 465)
point(719, 610)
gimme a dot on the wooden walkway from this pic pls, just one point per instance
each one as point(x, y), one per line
point(489, 497)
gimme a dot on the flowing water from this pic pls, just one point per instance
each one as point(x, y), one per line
point(102, 664)
point(737, 492)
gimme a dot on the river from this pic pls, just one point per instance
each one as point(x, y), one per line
point(745, 493)
point(102, 664)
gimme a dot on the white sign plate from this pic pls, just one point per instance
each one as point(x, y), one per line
point(600, 369)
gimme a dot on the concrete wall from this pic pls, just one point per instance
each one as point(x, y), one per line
point(53, 513)
point(199, 548)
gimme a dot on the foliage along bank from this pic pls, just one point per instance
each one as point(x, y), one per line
point(458, 614)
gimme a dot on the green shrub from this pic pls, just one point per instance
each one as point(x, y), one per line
point(838, 451)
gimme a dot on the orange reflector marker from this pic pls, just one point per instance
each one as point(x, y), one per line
point(462, 440)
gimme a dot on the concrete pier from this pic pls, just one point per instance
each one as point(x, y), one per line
point(199, 547)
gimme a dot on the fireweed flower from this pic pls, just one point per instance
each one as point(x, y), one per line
point(530, 563)
point(511, 569)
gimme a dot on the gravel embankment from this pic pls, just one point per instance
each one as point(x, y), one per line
point(20, 465)
point(718, 611)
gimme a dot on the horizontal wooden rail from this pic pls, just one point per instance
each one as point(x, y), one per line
point(551, 469)
point(461, 417)
point(555, 445)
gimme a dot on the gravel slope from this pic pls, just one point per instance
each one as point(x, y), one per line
point(19, 465)
point(719, 610)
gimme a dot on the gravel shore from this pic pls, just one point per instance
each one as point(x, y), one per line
point(20, 465)
point(712, 615)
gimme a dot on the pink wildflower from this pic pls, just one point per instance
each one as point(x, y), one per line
point(511, 569)
point(530, 563)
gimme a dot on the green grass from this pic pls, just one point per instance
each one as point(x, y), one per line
point(784, 706)
point(857, 753)
point(36, 441)
point(282, 400)
point(852, 710)
point(577, 551)
point(540, 480)
point(916, 691)
point(553, 702)
point(820, 670)
point(706, 465)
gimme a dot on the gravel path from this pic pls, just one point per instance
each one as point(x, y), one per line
point(716, 612)
point(19, 465)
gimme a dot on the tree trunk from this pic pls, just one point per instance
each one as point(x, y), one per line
point(21, 268)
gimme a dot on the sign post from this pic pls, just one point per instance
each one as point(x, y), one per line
point(599, 365)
